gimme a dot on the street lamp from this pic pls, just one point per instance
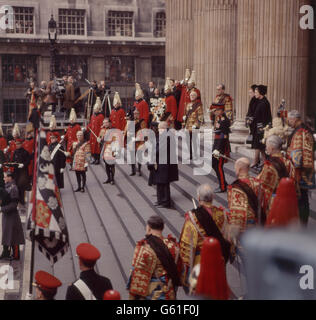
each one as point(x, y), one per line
point(52, 36)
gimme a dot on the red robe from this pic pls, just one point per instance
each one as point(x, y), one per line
point(3, 143)
point(71, 137)
point(95, 125)
point(12, 148)
point(185, 99)
point(49, 134)
point(28, 145)
point(143, 108)
point(171, 104)
point(118, 120)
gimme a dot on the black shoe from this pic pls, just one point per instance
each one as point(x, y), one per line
point(78, 190)
point(107, 181)
point(97, 162)
point(157, 204)
point(82, 190)
point(132, 174)
point(219, 190)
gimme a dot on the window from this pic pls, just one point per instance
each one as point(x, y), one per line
point(120, 24)
point(15, 111)
point(158, 67)
point(71, 22)
point(19, 68)
point(160, 29)
point(120, 69)
point(23, 21)
point(76, 66)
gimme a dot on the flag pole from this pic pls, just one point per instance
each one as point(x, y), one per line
point(32, 232)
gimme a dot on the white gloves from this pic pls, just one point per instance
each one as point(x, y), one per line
point(99, 140)
point(216, 154)
point(67, 154)
point(62, 170)
point(86, 165)
point(21, 165)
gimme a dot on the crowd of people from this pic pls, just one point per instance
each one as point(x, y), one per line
point(210, 234)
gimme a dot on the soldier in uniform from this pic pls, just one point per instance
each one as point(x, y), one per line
point(117, 116)
point(9, 151)
point(301, 152)
point(28, 145)
point(171, 103)
point(46, 285)
point(244, 201)
point(275, 168)
point(221, 144)
point(95, 126)
point(58, 158)
point(156, 265)
point(3, 140)
point(193, 119)
point(81, 151)
point(141, 105)
point(226, 99)
point(90, 285)
point(52, 130)
point(71, 133)
point(186, 88)
point(21, 160)
point(205, 221)
point(108, 153)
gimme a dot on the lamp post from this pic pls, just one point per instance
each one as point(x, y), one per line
point(52, 36)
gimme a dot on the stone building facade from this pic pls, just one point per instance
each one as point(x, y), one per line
point(242, 42)
point(120, 41)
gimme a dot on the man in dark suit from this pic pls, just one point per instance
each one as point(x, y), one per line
point(90, 285)
point(149, 92)
point(166, 169)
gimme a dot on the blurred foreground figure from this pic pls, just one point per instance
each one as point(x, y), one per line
point(208, 279)
point(284, 209)
point(46, 285)
point(279, 264)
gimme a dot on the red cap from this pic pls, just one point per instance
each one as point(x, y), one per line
point(111, 295)
point(87, 252)
point(46, 281)
point(212, 281)
point(284, 209)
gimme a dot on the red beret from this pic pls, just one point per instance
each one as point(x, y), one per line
point(87, 252)
point(46, 281)
point(111, 295)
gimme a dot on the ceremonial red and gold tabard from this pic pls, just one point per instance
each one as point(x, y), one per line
point(228, 101)
point(241, 214)
point(12, 148)
point(117, 119)
point(52, 133)
point(185, 100)
point(71, 137)
point(191, 240)
point(270, 178)
point(194, 116)
point(107, 150)
point(300, 151)
point(95, 125)
point(143, 108)
point(149, 280)
point(81, 156)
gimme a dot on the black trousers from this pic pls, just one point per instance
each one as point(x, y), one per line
point(110, 171)
point(218, 166)
point(303, 205)
point(133, 166)
point(163, 194)
point(81, 177)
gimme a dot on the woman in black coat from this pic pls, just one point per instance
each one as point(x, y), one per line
point(12, 231)
point(262, 118)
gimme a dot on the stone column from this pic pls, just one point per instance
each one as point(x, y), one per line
point(271, 50)
point(179, 37)
point(215, 47)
